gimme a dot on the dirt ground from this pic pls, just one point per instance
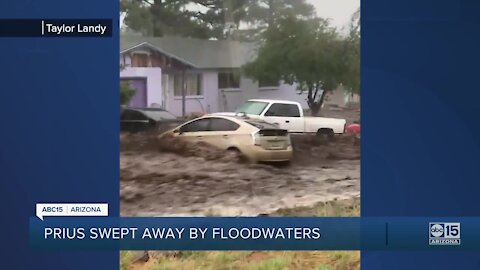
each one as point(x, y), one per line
point(169, 177)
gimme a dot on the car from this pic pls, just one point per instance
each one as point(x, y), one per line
point(256, 140)
point(135, 120)
point(289, 115)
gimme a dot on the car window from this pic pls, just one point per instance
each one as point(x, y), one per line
point(220, 124)
point(196, 126)
point(285, 110)
point(133, 115)
point(158, 115)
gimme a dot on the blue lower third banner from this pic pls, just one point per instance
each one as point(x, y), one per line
point(255, 233)
point(56, 28)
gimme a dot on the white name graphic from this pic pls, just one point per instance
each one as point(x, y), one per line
point(71, 209)
point(76, 28)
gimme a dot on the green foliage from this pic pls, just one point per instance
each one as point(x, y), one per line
point(162, 17)
point(352, 74)
point(306, 52)
point(126, 91)
point(220, 19)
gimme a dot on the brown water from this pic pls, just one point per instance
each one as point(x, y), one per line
point(169, 177)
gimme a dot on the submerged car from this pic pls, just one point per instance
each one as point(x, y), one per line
point(147, 119)
point(253, 139)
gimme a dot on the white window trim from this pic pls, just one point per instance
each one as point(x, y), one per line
point(188, 97)
point(268, 88)
point(230, 89)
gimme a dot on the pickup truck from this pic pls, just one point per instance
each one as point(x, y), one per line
point(289, 115)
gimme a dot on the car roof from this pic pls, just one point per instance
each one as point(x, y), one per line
point(144, 109)
point(236, 119)
point(232, 118)
point(274, 101)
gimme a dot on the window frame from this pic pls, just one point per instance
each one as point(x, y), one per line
point(181, 129)
point(199, 90)
point(233, 74)
point(212, 119)
point(298, 114)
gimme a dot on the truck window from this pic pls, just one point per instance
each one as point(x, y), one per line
point(283, 110)
point(252, 107)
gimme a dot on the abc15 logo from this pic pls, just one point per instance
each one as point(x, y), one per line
point(444, 230)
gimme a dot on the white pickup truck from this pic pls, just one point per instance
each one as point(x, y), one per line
point(289, 115)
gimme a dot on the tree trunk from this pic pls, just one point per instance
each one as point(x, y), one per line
point(322, 98)
point(315, 106)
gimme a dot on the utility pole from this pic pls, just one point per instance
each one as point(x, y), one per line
point(184, 93)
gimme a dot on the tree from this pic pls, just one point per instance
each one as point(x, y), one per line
point(223, 17)
point(307, 53)
point(126, 91)
point(162, 17)
point(220, 19)
point(259, 15)
point(352, 75)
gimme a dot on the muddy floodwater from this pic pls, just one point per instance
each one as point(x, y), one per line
point(169, 177)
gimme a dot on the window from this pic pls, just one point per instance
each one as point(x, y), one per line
point(228, 80)
point(131, 115)
point(252, 107)
point(219, 124)
point(140, 60)
point(284, 110)
point(195, 126)
point(193, 84)
point(158, 115)
point(268, 83)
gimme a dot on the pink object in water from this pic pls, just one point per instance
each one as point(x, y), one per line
point(353, 128)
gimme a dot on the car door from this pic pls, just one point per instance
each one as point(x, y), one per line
point(195, 130)
point(222, 133)
point(287, 116)
point(133, 121)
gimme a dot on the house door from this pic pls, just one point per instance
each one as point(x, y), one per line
point(165, 92)
point(139, 100)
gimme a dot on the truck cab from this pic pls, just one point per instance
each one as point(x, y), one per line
point(289, 115)
point(286, 114)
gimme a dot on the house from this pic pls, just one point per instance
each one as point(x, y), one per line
point(187, 75)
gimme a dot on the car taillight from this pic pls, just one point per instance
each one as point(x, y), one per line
point(289, 140)
point(256, 139)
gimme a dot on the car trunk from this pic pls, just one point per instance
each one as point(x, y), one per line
point(272, 139)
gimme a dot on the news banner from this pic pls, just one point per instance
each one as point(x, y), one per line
point(88, 226)
point(56, 28)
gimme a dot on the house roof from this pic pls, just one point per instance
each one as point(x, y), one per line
point(199, 53)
